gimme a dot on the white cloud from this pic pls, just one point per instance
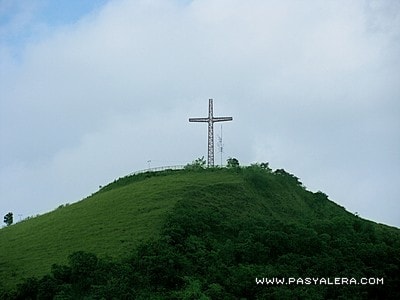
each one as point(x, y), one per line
point(312, 88)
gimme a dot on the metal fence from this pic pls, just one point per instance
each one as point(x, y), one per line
point(158, 169)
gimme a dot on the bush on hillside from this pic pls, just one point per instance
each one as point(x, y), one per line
point(221, 237)
point(197, 164)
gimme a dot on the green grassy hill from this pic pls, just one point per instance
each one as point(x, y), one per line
point(109, 223)
point(206, 233)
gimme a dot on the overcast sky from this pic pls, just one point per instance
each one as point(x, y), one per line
point(92, 90)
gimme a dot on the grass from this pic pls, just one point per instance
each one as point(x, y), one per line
point(111, 222)
point(134, 209)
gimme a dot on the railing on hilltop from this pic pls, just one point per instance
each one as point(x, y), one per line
point(158, 169)
point(164, 168)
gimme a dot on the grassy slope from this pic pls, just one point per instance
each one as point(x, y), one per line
point(109, 223)
point(125, 213)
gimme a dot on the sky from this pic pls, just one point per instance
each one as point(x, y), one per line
point(94, 90)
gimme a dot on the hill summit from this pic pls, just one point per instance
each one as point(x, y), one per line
point(216, 233)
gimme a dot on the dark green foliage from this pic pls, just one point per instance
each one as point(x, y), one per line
point(84, 276)
point(232, 163)
point(28, 289)
point(221, 235)
point(198, 164)
point(8, 219)
point(287, 177)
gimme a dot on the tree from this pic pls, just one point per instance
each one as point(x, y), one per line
point(8, 219)
point(232, 162)
point(83, 266)
point(265, 166)
point(198, 164)
point(288, 176)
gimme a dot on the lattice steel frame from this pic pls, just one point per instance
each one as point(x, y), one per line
point(211, 120)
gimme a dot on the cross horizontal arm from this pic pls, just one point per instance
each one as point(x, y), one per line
point(222, 119)
point(198, 120)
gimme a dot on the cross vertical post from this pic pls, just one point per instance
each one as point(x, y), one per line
point(210, 120)
point(210, 160)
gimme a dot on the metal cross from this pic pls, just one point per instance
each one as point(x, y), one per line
point(211, 120)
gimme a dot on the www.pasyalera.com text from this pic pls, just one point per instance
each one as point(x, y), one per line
point(318, 281)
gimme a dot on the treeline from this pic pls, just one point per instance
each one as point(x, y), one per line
point(221, 237)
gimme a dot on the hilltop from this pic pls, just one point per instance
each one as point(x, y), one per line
point(111, 222)
point(199, 233)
